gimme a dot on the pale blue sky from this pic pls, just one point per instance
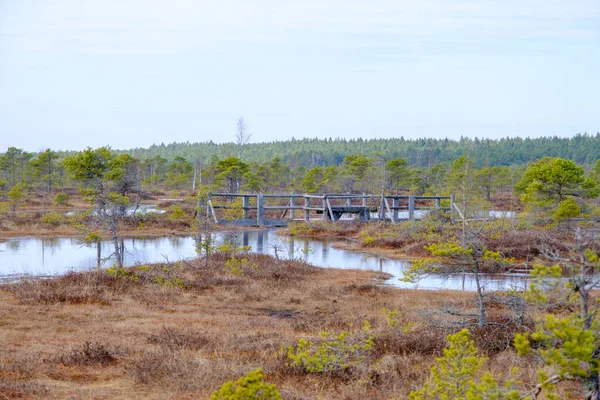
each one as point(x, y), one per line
point(128, 73)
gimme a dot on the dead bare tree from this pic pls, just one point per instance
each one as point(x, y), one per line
point(242, 136)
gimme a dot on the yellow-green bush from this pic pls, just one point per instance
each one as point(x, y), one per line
point(177, 214)
point(455, 375)
point(248, 387)
point(335, 353)
point(165, 275)
point(61, 199)
point(53, 218)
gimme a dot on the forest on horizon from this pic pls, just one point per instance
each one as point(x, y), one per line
point(581, 148)
point(421, 166)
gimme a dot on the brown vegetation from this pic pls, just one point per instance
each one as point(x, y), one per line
point(408, 240)
point(39, 216)
point(181, 330)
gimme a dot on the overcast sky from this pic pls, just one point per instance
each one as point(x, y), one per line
point(130, 73)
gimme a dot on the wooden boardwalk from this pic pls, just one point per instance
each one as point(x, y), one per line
point(278, 209)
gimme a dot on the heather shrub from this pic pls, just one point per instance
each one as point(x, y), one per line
point(61, 199)
point(248, 387)
point(89, 353)
point(335, 353)
point(53, 218)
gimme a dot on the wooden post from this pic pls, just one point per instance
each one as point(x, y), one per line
point(326, 215)
point(452, 207)
point(246, 206)
point(437, 203)
point(411, 207)
point(395, 203)
point(306, 210)
point(260, 210)
point(98, 252)
point(364, 200)
point(292, 211)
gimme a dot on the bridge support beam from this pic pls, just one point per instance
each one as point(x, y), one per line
point(246, 206)
point(411, 207)
point(452, 207)
point(260, 210)
point(306, 209)
point(326, 215)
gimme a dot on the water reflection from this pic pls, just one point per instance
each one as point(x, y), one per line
point(140, 209)
point(44, 256)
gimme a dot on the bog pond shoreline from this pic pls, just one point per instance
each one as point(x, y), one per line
point(53, 256)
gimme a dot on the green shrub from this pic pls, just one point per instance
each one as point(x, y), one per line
point(298, 229)
point(248, 387)
point(177, 214)
point(455, 375)
point(61, 199)
point(16, 196)
point(236, 265)
point(53, 218)
point(123, 273)
point(395, 323)
point(168, 276)
point(368, 240)
point(567, 209)
point(165, 276)
point(346, 350)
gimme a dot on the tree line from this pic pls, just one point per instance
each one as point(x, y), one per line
point(582, 148)
point(357, 173)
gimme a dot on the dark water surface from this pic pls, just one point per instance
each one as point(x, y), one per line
point(54, 256)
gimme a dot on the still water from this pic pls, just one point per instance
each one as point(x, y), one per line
point(54, 256)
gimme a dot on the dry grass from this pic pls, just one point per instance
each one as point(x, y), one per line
point(91, 335)
point(408, 240)
point(89, 353)
point(175, 338)
point(28, 220)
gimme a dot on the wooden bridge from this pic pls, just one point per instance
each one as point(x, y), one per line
point(278, 209)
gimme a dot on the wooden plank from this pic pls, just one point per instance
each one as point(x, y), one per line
point(233, 194)
point(283, 208)
point(212, 210)
point(330, 210)
point(431, 197)
point(387, 206)
point(351, 196)
point(282, 195)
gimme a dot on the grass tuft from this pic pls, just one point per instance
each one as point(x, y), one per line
point(174, 338)
point(89, 353)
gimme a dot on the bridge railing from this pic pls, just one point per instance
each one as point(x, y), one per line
point(332, 206)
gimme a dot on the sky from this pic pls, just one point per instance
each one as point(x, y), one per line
point(130, 73)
